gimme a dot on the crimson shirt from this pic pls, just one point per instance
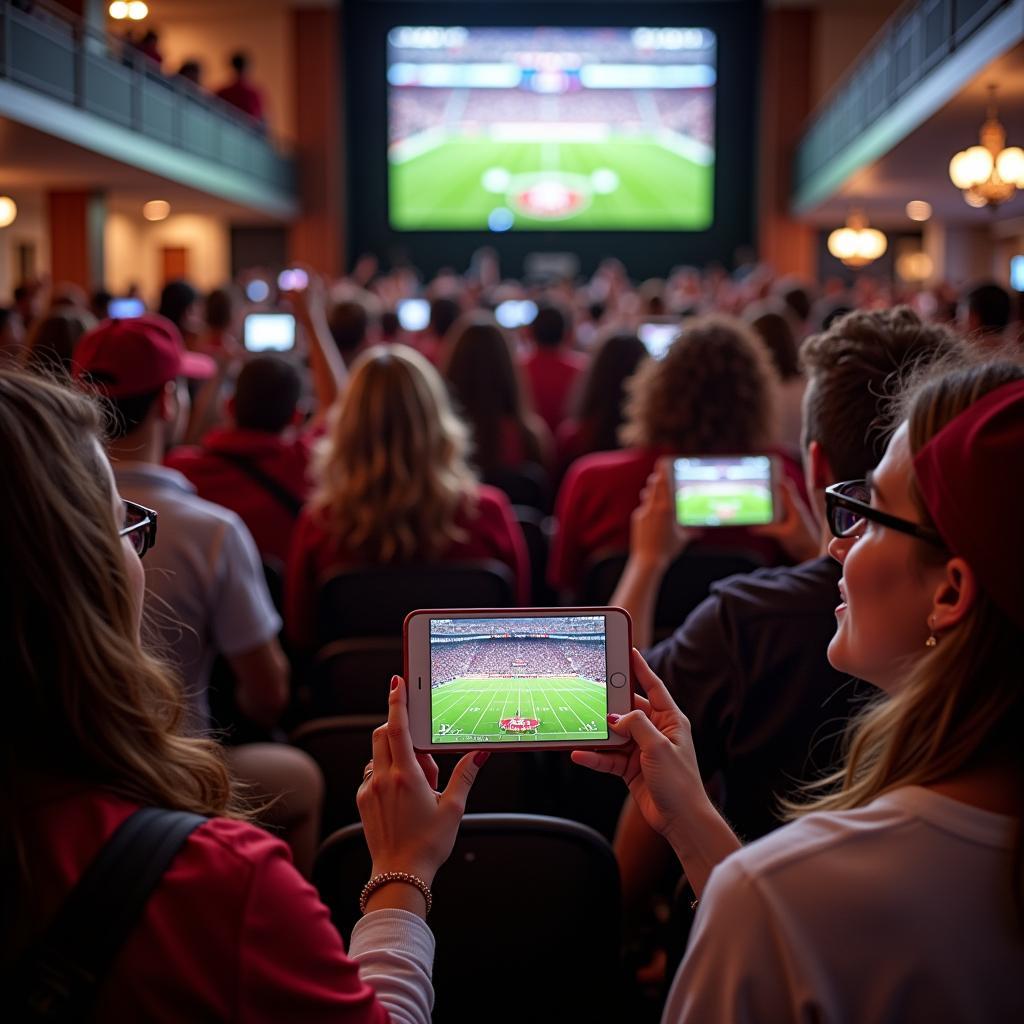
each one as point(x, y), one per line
point(217, 480)
point(315, 554)
point(244, 96)
point(597, 498)
point(551, 375)
point(231, 932)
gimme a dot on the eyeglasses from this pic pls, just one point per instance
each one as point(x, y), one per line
point(848, 507)
point(139, 526)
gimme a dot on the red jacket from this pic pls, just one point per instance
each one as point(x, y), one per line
point(231, 932)
point(315, 554)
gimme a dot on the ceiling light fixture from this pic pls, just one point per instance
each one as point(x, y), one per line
point(8, 211)
point(137, 10)
point(919, 210)
point(156, 209)
point(857, 245)
point(989, 174)
point(118, 10)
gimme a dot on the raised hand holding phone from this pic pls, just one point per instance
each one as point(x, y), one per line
point(655, 537)
point(796, 530)
point(660, 769)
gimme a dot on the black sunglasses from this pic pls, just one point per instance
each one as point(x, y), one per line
point(139, 526)
point(848, 505)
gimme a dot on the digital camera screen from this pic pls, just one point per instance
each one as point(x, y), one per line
point(724, 491)
point(508, 680)
point(269, 332)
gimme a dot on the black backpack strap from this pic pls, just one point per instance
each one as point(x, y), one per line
point(59, 976)
point(273, 487)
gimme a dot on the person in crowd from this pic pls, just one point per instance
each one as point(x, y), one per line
point(482, 375)
point(797, 302)
point(149, 46)
point(258, 465)
point(394, 485)
point(179, 303)
point(350, 325)
point(775, 330)
point(444, 311)
point(597, 407)
point(191, 71)
point(240, 92)
point(51, 343)
point(986, 313)
point(712, 393)
point(12, 335)
point(749, 664)
point(552, 368)
point(929, 800)
point(99, 304)
point(95, 731)
point(28, 302)
point(206, 591)
point(220, 325)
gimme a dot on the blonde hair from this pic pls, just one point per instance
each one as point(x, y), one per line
point(962, 700)
point(394, 474)
point(82, 699)
point(714, 391)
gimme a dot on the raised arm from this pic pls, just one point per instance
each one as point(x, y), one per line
point(330, 375)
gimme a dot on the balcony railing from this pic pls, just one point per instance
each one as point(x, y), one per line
point(906, 50)
point(50, 51)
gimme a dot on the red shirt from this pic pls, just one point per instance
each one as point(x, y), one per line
point(231, 932)
point(316, 554)
point(244, 96)
point(217, 480)
point(597, 498)
point(551, 374)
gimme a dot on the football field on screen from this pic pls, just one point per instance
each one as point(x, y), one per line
point(471, 710)
point(624, 184)
point(727, 505)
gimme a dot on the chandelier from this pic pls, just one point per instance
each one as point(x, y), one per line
point(989, 174)
point(857, 245)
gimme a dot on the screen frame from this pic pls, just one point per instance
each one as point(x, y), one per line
point(273, 351)
point(416, 652)
point(775, 468)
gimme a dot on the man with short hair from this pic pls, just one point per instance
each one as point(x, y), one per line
point(206, 593)
point(258, 464)
point(749, 667)
point(986, 314)
point(240, 92)
point(552, 369)
point(349, 322)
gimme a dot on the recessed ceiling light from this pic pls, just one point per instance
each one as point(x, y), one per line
point(918, 209)
point(156, 209)
point(8, 211)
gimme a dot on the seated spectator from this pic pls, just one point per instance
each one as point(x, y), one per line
point(179, 303)
point(12, 336)
point(149, 46)
point(191, 71)
point(350, 327)
point(52, 341)
point(28, 302)
point(596, 416)
point(99, 304)
point(393, 486)
point(775, 331)
point(712, 394)
point(258, 464)
point(94, 733)
point(206, 594)
point(552, 368)
point(929, 800)
point(750, 664)
point(985, 315)
point(240, 92)
point(444, 311)
point(484, 382)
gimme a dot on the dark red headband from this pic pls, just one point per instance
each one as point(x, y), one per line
point(971, 476)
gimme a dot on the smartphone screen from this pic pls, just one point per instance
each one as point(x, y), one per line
point(509, 680)
point(657, 337)
point(514, 313)
point(414, 314)
point(269, 332)
point(724, 490)
point(125, 309)
point(294, 280)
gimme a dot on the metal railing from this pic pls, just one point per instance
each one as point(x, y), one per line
point(51, 51)
point(910, 44)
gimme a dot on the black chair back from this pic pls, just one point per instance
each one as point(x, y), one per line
point(526, 914)
point(351, 677)
point(536, 529)
point(374, 601)
point(525, 485)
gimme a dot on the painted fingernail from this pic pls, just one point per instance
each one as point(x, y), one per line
point(480, 757)
point(394, 682)
point(613, 718)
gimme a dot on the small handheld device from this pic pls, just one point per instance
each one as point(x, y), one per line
point(517, 679)
point(725, 490)
point(293, 280)
point(658, 335)
point(125, 308)
point(269, 332)
point(515, 313)
point(414, 314)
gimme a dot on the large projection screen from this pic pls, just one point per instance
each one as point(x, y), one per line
point(584, 129)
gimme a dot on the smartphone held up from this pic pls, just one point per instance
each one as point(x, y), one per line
point(517, 679)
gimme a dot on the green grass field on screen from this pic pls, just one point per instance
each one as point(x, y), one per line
point(622, 184)
point(470, 710)
point(735, 506)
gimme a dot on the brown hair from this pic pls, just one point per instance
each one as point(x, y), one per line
point(962, 700)
point(52, 340)
point(394, 474)
point(712, 392)
point(82, 699)
point(602, 391)
point(854, 369)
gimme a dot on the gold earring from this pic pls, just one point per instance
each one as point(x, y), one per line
point(932, 640)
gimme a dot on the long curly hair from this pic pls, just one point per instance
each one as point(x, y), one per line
point(714, 392)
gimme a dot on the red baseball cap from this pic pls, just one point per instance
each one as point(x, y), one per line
point(971, 477)
point(137, 356)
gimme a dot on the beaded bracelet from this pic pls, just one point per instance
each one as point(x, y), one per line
point(394, 876)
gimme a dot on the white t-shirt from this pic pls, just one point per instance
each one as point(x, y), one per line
point(206, 593)
point(900, 911)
